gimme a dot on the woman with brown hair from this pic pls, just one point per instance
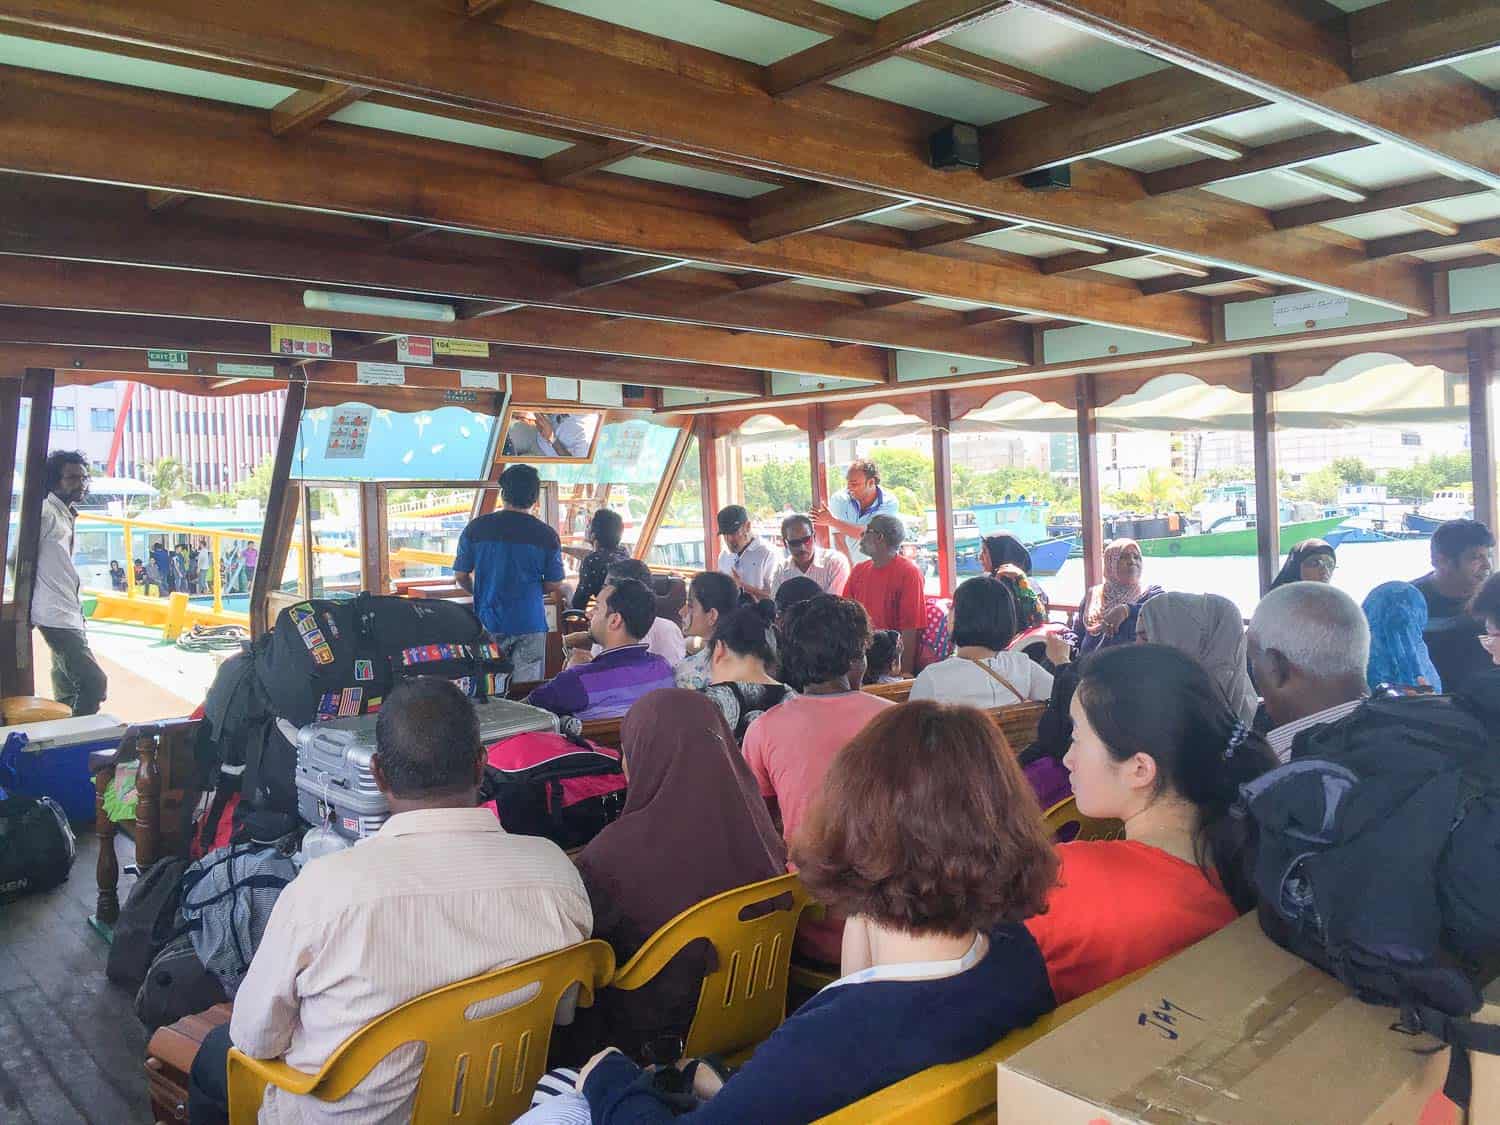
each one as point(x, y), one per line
point(928, 838)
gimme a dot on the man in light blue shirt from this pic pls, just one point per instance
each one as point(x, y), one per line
point(848, 513)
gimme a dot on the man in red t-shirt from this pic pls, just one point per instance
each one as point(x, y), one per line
point(889, 586)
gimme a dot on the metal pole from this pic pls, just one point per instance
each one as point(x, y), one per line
point(1267, 494)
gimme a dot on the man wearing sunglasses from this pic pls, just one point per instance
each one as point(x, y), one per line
point(828, 568)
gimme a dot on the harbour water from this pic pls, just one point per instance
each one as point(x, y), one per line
point(1361, 567)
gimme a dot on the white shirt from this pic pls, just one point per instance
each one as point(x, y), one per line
point(960, 680)
point(205, 561)
point(844, 507)
point(54, 597)
point(756, 564)
point(435, 897)
point(663, 639)
point(829, 569)
point(1281, 737)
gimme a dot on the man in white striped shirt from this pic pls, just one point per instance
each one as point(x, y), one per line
point(1309, 647)
point(440, 894)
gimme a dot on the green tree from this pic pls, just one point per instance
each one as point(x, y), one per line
point(1351, 470)
point(772, 486)
point(170, 479)
point(1322, 485)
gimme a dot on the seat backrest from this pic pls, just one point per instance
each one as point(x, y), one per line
point(602, 732)
point(897, 692)
point(479, 1064)
point(743, 999)
point(1067, 824)
point(1019, 722)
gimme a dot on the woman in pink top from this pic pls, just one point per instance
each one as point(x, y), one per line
point(1155, 745)
point(791, 746)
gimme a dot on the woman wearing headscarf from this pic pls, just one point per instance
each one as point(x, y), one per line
point(1312, 560)
point(1208, 628)
point(1397, 613)
point(694, 826)
point(1108, 614)
point(1006, 559)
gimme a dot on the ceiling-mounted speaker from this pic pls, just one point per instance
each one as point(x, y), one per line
point(630, 390)
point(1057, 178)
point(953, 147)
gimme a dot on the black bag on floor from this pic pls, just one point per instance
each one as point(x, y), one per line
point(147, 921)
point(36, 845)
point(330, 659)
point(176, 985)
point(1378, 859)
point(560, 786)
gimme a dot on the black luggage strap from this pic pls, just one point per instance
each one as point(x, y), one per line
point(1461, 1035)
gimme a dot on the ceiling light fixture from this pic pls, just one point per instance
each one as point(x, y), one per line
point(361, 305)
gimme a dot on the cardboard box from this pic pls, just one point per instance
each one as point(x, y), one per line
point(1233, 1031)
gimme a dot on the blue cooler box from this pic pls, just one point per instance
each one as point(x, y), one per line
point(54, 762)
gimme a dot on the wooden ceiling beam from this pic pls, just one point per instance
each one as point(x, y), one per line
point(610, 269)
point(1002, 76)
point(140, 291)
point(1272, 50)
point(102, 225)
point(361, 172)
point(1083, 260)
point(809, 15)
point(494, 9)
point(1264, 158)
point(948, 233)
point(1385, 199)
point(1468, 233)
point(512, 72)
point(800, 210)
point(1404, 35)
point(299, 112)
point(885, 300)
point(583, 159)
point(906, 28)
point(1132, 111)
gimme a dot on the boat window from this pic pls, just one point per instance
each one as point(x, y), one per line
point(764, 466)
point(355, 440)
point(333, 514)
point(679, 540)
point(630, 460)
point(422, 526)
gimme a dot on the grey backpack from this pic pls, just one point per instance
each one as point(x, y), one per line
point(227, 898)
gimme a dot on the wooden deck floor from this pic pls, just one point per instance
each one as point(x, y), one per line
point(71, 1049)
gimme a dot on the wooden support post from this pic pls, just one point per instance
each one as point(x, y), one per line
point(817, 464)
point(1267, 494)
point(17, 673)
point(663, 497)
point(708, 488)
point(1481, 343)
point(10, 421)
point(942, 471)
point(1088, 485)
point(107, 866)
point(374, 559)
point(147, 804)
point(281, 508)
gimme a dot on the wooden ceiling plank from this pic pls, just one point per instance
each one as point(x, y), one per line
point(42, 221)
point(810, 16)
point(1272, 50)
point(361, 172)
point(494, 9)
point(906, 28)
point(1177, 283)
point(583, 159)
point(1430, 220)
point(609, 269)
point(800, 210)
point(1137, 110)
point(1405, 35)
point(1468, 233)
point(954, 232)
point(518, 74)
point(1263, 158)
point(299, 112)
point(1385, 199)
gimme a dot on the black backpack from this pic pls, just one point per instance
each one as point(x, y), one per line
point(1378, 858)
point(147, 921)
point(36, 845)
point(326, 659)
point(176, 985)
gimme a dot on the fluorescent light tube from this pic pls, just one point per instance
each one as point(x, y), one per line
point(361, 305)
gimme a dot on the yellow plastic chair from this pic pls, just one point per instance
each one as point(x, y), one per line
point(743, 999)
point(474, 1069)
point(1065, 814)
point(17, 709)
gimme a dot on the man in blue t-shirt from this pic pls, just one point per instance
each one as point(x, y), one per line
point(509, 560)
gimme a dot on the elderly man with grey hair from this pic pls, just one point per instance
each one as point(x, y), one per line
point(890, 587)
point(1309, 646)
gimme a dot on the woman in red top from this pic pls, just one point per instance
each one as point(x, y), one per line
point(1156, 746)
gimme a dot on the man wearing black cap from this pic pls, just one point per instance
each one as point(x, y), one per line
point(746, 557)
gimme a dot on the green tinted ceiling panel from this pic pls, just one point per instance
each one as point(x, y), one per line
point(1244, 320)
point(785, 383)
point(1474, 289)
point(870, 9)
point(701, 23)
point(644, 168)
point(1054, 49)
point(912, 84)
point(144, 73)
point(680, 396)
point(1092, 341)
point(911, 366)
point(449, 129)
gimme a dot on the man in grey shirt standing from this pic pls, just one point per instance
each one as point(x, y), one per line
point(77, 680)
